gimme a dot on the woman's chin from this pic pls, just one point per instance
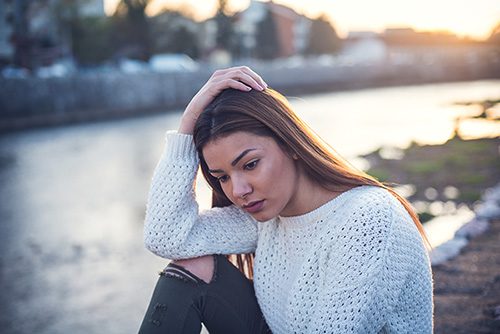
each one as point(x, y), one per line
point(262, 217)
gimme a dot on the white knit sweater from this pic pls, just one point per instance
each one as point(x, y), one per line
point(357, 264)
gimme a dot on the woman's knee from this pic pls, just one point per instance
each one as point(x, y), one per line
point(202, 267)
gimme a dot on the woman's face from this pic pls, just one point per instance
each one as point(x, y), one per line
point(254, 173)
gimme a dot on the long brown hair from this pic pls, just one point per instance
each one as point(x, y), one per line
point(268, 113)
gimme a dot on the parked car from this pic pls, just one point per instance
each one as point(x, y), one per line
point(133, 66)
point(173, 62)
point(12, 72)
point(58, 69)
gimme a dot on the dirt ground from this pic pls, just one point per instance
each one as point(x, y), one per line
point(467, 288)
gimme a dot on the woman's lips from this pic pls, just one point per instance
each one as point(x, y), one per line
point(254, 206)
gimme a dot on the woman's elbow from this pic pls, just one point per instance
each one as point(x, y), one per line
point(162, 248)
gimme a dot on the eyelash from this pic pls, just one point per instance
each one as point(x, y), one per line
point(222, 178)
point(253, 163)
point(249, 166)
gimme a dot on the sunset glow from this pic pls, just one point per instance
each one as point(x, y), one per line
point(475, 19)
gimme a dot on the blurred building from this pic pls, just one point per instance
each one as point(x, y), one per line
point(292, 29)
point(91, 7)
point(408, 36)
point(407, 46)
point(32, 33)
point(364, 47)
point(7, 12)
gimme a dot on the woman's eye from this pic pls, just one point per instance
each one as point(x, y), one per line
point(222, 178)
point(251, 165)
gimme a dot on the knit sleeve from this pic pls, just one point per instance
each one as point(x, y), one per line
point(365, 271)
point(174, 228)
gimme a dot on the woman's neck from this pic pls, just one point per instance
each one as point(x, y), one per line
point(308, 196)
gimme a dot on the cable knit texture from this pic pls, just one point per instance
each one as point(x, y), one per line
point(356, 264)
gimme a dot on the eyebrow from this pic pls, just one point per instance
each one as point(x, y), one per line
point(235, 161)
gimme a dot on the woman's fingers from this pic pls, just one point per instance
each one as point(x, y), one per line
point(255, 76)
point(247, 79)
point(231, 83)
point(243, 74)
point(241, 78)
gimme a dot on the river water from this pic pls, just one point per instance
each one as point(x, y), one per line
point(72, 199)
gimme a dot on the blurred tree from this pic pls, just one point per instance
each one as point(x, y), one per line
point(91, 37)
point(323, 38)
point(267, 42)
point(131, 29)
point(88, 38)
point(21, 39)
point(495, 35)
point(172, 32)
point(184, 41)
point(225, 30)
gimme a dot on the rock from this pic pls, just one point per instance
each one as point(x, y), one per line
point(447, 250)
point(496, 312)
point(488, 210)
point(472, 229)
point(492, 194)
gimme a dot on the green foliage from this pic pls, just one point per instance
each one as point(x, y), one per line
point(180, 40)
point(470, 196)
point(424, 167)
point(88, 37)
point(425, 216)
point(323, 38)
point(472, 179)
point(173, 32)
point(131, 33)
point(469, 165)
point(91, 40)
point(267, 38)
point(379, 174)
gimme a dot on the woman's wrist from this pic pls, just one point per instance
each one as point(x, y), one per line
point(187, 124)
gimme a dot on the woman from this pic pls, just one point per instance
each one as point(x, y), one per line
point(336, 251)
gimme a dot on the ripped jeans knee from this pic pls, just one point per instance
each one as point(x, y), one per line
point(181, 273)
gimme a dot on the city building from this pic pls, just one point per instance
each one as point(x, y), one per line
point(31, 33)
point(292, 29)
point(7, 12)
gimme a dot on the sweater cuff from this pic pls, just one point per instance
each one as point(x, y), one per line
point(180, 146)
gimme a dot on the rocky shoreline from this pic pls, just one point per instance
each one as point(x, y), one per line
point(487, 212)
point(467, 286)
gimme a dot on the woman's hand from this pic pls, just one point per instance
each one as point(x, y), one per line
point(242, 78)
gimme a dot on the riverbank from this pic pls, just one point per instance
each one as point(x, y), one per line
point(467, 288)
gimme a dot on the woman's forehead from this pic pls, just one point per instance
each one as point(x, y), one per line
point(227, 148)
point(237, 139)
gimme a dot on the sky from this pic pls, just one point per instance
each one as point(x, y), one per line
point(470, 18)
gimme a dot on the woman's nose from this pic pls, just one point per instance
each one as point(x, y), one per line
point(241, 188)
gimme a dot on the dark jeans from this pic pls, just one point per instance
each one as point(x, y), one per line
point(181, 302)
